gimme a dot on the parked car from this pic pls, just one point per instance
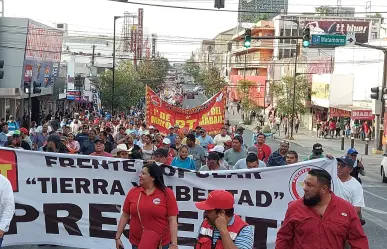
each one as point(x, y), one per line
point(198, 90)
point(383, 168)
point(190, 95)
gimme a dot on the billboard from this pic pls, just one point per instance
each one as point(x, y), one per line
point(361, 29)
point(42, 55)
point(140, 32)
point(251, 10)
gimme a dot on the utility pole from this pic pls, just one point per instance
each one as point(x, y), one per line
point(379, 119)
point(93, 55)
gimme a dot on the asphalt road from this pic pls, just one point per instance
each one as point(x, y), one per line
point(375, 192)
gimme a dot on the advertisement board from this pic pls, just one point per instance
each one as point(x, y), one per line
point(43, 53)
point(249, 11)
point(162, 115)
point(361, 29)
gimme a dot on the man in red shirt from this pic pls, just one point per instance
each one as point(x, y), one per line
point(320, 220)
point(100, 149)
point(264, 150)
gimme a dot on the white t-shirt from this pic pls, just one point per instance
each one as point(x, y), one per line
point(352, 191)
point(219, 140)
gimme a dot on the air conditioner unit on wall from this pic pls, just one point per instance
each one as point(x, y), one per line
point(62, 26)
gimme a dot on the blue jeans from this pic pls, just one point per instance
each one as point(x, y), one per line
point(1, 241)
point(164, 247)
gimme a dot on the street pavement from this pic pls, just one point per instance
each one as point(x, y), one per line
point(375, 192)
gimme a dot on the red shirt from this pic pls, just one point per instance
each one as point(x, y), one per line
point(104, 154)
point(154, 210)
point(303, 228)
point(264, 152)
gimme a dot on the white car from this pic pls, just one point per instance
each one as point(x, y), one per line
point(383, 168)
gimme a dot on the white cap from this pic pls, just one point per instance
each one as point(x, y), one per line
point(218, 148)
point(166, 141)
point(151, 127)
point(171, 127)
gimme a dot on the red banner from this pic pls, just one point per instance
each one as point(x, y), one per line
point(362, 115)
point(162, 115)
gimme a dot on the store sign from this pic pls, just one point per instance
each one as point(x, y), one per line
point(362, 115)
point(73, 95)
point(338, 113)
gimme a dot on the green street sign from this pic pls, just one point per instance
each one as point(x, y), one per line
point(329, 40)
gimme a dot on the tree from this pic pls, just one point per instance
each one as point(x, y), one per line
point(212, 81)
point(261, 17)
point(283, 92)
point(128, 89)
point(244, 88)
point(322, 10)
point(153, 72)
point(376, 15)
point(192, 68)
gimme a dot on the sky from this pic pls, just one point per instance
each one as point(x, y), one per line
point(96, 16)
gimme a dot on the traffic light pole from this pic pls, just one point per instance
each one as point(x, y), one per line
point(379, 119)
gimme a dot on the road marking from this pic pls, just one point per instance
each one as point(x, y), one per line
point(374, 210)
point(374, 186)
point(368, 192)
point(375, 220)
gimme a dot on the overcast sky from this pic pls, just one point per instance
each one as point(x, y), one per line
point(96, 16)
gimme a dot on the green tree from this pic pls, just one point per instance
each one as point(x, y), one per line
point(153, 72)
point(376, 15)
point(322, 10)
point(211, 81)
point(283, 93)
point(192, 68)
point(261, 17)
point(244, 88)
point(128, 89)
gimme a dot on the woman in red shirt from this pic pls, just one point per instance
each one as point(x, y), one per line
point(157, 208)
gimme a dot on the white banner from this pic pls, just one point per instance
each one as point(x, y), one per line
point(76, 200)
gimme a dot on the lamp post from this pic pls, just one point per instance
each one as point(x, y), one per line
point(114, 59)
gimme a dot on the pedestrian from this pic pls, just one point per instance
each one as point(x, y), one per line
point(320, 219)
point(264, 150)
point(244, 162)
point(99, 149)
point(237, 151)
point(221, 228)
point(7, 206)
point(358, 167)
point(291, 157)
point(213, 163)
point(151, 211)
point(278, 158)
point(317, 152)
point(3, 134)
point(54, 144)
point(182, 160)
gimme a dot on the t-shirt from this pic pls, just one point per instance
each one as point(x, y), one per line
point(242, 164)
point(232, 157)
point(154, 210)
point(219, 140)
point(351, 191)
point(187, 163)
point(198, 154)
point(206, 168)
point(104, 154)
point(204, 142)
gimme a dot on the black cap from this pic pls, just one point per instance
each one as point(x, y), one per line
point(161, 152)
point(53, 138)
point(318, 148)
point(98, 140)
point(347, 160)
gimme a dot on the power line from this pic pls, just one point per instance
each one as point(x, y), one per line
point(229, 10)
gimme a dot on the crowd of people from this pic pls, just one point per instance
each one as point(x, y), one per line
point(128, 137)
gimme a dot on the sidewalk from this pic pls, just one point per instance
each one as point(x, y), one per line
point(306, 138)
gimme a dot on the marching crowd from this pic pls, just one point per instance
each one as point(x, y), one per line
point(319, 220)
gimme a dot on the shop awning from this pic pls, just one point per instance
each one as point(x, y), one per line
point(354, 112)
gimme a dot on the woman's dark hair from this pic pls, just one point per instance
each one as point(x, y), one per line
point(155, 171)
point(220, 154)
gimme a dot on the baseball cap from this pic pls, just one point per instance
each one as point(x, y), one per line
point(161, 152)
point(24, 130)
point(11, 117)
point(166, 141)
point(202, 130)
point(352, 151)
point(16, 133)
point(317, 148)
point(177, 126)
point(151, 127)
point(347, 160)
point(171, 127)
point(98, 140)
point(217, 199)
point(252, 150)
point(217, 148)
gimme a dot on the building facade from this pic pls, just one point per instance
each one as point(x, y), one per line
point(31, 52)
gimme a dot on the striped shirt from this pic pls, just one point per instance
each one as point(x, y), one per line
point(244, 240)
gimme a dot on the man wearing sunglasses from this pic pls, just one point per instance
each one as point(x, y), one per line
point(317, 152)
point(350, 189)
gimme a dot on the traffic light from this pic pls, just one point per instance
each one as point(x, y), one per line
point(1, 71)
point(247, 42)
point(219, 4)
point(36, 88)
point(375, 93)
point(306, 38)
point(384, 93)
point(27, 87)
